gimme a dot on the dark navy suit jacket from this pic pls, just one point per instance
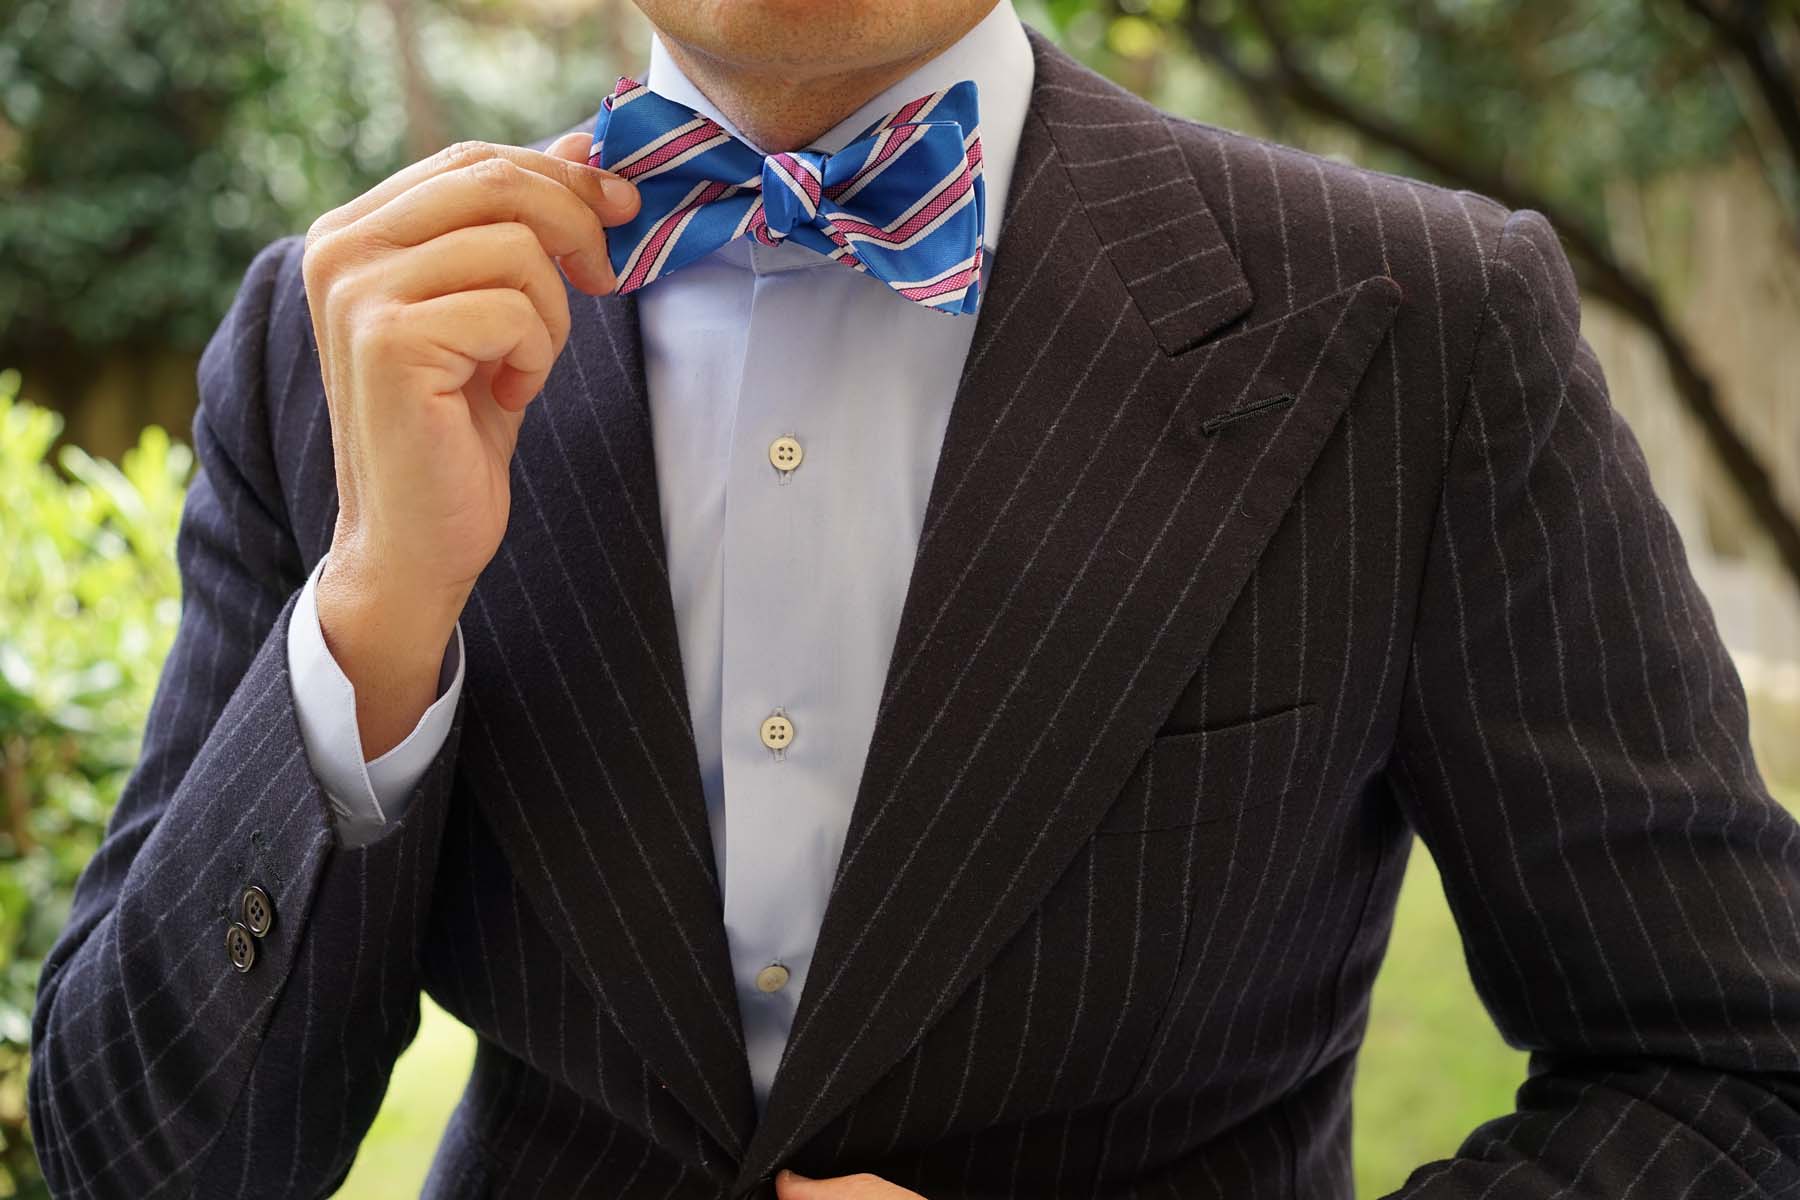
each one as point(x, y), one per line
point(1281, 514)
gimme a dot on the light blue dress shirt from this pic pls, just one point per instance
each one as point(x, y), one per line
point(787, 581)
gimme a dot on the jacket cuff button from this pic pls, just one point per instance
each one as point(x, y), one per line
point(240, 946)
point(256, 910)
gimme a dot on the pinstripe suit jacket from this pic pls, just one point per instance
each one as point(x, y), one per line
point(1282, 513)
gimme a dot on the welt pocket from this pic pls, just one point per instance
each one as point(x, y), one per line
point(1207, 774)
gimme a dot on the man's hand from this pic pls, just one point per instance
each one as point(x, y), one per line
point(438, 312)
point(789, 1186)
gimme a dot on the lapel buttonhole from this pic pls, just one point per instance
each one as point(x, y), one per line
point(1218, 421)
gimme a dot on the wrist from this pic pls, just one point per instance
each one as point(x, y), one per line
point(372, 589)
point(389, 641)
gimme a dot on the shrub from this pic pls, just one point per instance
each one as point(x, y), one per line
point(89, 597)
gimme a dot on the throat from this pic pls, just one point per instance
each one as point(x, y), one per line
point(777, 112)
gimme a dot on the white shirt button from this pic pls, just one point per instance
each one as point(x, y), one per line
point(772, 978)
point(785, 454)
point(777, 731)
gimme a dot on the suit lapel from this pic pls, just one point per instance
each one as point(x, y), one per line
point(1113, 464)
point(581, 747)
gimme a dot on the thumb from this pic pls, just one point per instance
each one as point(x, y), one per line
point(791, 1185)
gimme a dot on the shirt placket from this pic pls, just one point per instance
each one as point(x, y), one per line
point(775, 722)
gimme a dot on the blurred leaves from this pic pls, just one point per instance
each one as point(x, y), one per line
point(89, 599)
point(1579, 95)
point(149, 148)
point(1576, 97)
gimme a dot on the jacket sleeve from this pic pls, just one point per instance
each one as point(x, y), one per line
point(158, 1067)
point(1573, 749)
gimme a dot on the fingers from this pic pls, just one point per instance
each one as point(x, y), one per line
point(613, 199)
point(446, 339)
point(567, 204)
point(505, 255)
point(573, 146)
point(494, 190)
point(789, 1186)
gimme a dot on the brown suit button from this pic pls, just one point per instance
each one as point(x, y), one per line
point(258, 910)
point(240, 945)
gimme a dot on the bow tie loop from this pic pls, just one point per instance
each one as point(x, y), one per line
point(792, 187)
point(903, 202)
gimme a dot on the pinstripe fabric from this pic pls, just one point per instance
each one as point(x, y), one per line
point(1281, 513)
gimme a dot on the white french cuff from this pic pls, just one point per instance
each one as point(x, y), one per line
point(365, 795)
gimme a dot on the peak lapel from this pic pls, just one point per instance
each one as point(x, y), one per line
point(580, 745)
point(1108, 478)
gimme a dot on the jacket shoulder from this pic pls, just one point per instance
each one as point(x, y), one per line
point(1303, 225)
point(262, 399)
point(1300, 225)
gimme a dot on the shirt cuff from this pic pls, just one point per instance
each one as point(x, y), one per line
point(365, 795)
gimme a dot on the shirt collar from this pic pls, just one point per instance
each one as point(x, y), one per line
point(995, 54)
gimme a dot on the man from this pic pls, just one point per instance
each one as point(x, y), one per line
point(946, 739)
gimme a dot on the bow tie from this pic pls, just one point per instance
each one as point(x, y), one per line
point(903, 202)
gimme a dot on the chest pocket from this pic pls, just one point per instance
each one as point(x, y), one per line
point(1209, 774)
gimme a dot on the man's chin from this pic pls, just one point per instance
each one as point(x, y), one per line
point(812, 38)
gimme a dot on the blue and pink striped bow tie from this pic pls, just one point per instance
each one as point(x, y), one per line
point(903, 202)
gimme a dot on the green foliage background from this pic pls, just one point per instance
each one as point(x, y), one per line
point(148, 149)
point(88, 606)
point(1575, 95)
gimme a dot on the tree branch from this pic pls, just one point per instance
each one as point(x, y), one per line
point(1743, 28)
point(1602, 273)
point(424, 122)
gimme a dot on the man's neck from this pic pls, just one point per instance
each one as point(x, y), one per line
point(778, 111)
